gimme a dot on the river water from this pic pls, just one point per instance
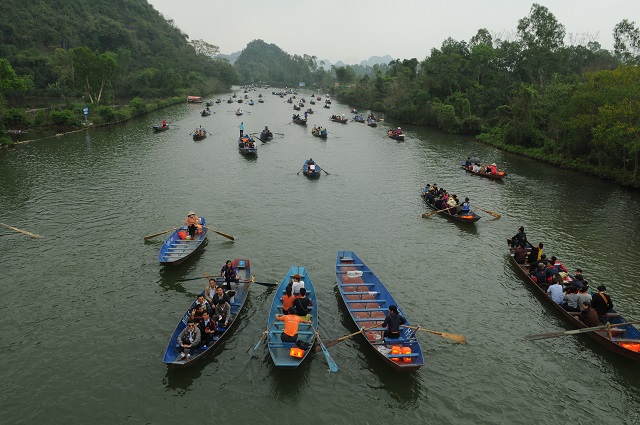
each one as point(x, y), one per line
point(87, 311)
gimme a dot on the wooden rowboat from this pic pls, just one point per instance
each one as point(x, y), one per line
point(238, 301)
point(623, 340)
point(301, 121)
point(468, 218)
point(500, 175)
point(341, 120)
point(159, 128)
point(247, 146)
point(396, 137)
point(175, 249)
point(367, 300)
point(281, 351)
point(311, 173)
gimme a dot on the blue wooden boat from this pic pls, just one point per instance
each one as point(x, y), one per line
point(466, 218)
point(367, 301)
point(281, 351)
point(238, 301)
point(175, 249)
point(622, 339)
point(247, 145)
point(309, 172)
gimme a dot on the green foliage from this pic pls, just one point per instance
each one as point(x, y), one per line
point(65, 118)
point(138, 105)
point(15, 117)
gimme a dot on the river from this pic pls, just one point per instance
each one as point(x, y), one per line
point(87, 311)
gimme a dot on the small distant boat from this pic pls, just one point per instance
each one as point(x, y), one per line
point(230, 101)
point(260, 101)
point(176, 249)
point(393, 135)
point(238, 300)
point(298, 120)
point(209, 103)
point(234, 95)
point(194, 99)
point(199, 134)
point(247, 145)
point(260, 95)
point(319, 98)
point(312, 102)
point(296, 107)
point(367, 299)
point(266, 135)
point(342, 120)
point(218, 100)
point(311, 170)
point(358, 118)
point(205, 113)
point(326, 106)
point(239, 100)
point(354, 111)
point(309, 111)
point(160, 127)
point(281, 352)
point(239, 112)
point(497, 176)
point(289, 101)
point(319, 133)
point(251, 102)
point(372, 123)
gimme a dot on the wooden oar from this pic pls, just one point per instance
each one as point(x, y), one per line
point(158, 234)
point(576, 331)
point(33, 235)
point(221, 234)
point(192, 278)
point(280, 134)
point(495, 214)
point(333, 342)
point(325, 171)
point(454, 337)
point(298, 173)
point(333, 366)
point(262, 338)
point(432, 213)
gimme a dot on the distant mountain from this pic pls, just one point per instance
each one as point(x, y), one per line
point(231, 58)
point(373, 60)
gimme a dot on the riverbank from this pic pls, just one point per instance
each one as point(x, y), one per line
point(70, 118)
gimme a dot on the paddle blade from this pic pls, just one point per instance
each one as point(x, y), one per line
point(221, 234)
point(454, 337)
point(158, 234)
point(430, 214)
point(333, 366)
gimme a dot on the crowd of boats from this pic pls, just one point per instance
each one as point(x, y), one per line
point(380, 320)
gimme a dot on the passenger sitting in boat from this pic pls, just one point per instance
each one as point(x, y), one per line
point(196, 313)
point(482, 169)
point(555, 292)
point(465, 208)
point(229, 273)
point(323, 131)
point(476, 168)
point(571, 300)
point(296, 284)
point(521, 254)
point(193, 223)
point(311, 164)
point(468, 162)
point(189, 339)
point(287, 299)
point(302, 304)
point(208, 329)
point(579, 279)
point(220, 296)
point(520, 237)
point(291, 321)
point(584, 295)
point(398, 132)
point(164, 123)
point(538, 277)
point(558, 265)
point(210, 291)
point(222, 313)
point(204, 303)
point(426, 189)
point(392, 322)
point(601, 303)
point(550, 272)
point(589, 316)
point(492, 169)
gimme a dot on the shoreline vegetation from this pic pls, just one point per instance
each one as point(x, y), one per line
point(70, 119)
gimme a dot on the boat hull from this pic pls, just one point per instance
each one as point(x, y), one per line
point(279, 351)
point(175, 250)
point(237, 303)
point(366, 299)
point(631, 334)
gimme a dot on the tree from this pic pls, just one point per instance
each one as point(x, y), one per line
point(10, 83)
point(94, 70)
point(541, 29)
point(204, 48)
point(626, 44)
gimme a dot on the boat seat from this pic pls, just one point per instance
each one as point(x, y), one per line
point(637, 341)
point(279, 331)
point(367, 301)
point(363, 293)
point(371, 319)
point(349, 265)
point(345, 272)
point(370, 309)
point(402, 355)
point(358, 284)
point(283, 345)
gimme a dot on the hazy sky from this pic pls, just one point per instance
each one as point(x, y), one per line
point(352, 31)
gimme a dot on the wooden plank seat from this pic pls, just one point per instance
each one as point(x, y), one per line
point(279, 331)
point(370, 309)
point(350, 265)
point(363, 293)
point(362, 300)
point(637, 341)
point(357, 284)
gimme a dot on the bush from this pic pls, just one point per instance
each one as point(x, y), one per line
point(106, 114)
point(138, 105)
point(65, 117)
point(15, 117)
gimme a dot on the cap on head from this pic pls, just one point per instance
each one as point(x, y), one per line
point(191, 213)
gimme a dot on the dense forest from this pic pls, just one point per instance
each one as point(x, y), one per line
point(575, 106)
point(97, 51)
point(572, 105)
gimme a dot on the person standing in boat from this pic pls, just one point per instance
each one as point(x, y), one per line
point(189, 339)
point(194, 224)
point(519, 238)
point(291, 324)
point(392, 322)
point(241, 126)
point(229, 273)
